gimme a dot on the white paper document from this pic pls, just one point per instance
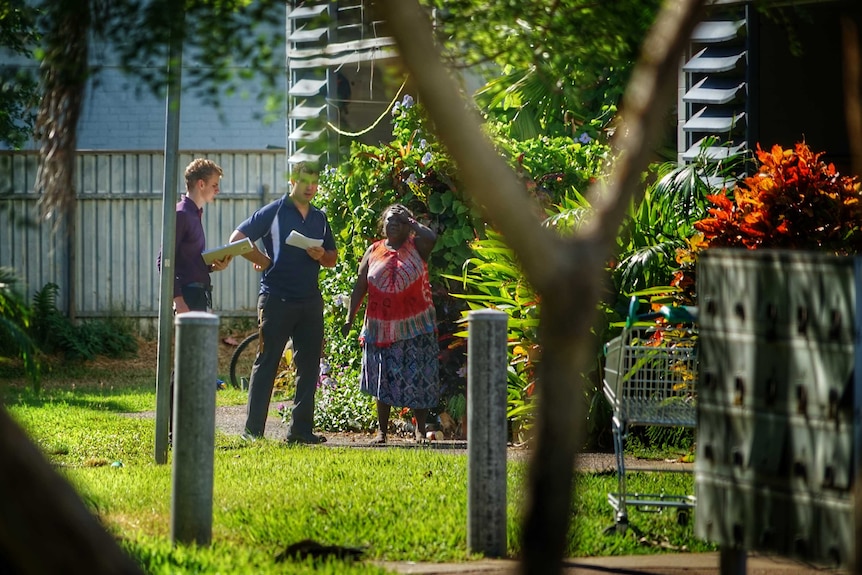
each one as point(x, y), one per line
point(298, 240)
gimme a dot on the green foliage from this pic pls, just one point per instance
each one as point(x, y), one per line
point(344, 408)
point(554, 166)
point(416, 170)
point(14, 325)
point(492, 279)
point(560, 62)
point(653, 441)
point(17, 99)
point(18, 87)
point(231, 42)
point(338, 404)
point(657, 229)
point(54, 333)
point(457, 406)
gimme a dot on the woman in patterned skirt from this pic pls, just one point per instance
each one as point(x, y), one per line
point(399, 334)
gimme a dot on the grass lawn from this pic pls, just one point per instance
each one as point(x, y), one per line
point(395, 504)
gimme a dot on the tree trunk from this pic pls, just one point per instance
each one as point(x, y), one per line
point(44, 526)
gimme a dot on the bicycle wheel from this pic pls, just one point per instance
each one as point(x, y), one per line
point(242, 359)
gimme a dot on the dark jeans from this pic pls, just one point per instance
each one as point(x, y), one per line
point(198, 296)
point(278, 321)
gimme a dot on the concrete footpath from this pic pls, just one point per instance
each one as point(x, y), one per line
point(668, 564)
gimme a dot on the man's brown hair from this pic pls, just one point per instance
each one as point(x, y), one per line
point(300, 168)
point(201, 169)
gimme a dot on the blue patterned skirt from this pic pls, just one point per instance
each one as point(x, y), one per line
point(404, 374)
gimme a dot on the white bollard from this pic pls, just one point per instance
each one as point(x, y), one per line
point(486, 433)
point(195, 373)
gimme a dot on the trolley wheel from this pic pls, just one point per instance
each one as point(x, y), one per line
point(242, 359)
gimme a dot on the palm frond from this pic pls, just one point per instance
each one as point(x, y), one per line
point(647, 265)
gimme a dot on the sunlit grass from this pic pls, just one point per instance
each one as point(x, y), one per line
point(396, 504)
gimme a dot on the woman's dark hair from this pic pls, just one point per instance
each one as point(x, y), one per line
point(382, 219)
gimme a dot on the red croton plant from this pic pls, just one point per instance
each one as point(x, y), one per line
point(794, 201)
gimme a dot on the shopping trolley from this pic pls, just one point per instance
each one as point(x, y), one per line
point(649, 379)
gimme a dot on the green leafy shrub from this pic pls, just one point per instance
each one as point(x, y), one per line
point(344, 408)
point(55, 333)
point(416, 170)
point(657, 230)
point(495, 281)
point(14, 326)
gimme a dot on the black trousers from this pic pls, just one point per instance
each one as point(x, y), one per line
point(198, 296)
point(278, 321)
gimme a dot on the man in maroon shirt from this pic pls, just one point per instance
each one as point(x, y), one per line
point(192, 287)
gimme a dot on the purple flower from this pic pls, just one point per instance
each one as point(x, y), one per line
point(423, 143)
point(396, 108)
point(407, 102)
point(426, 158)
point(585, 138)
point(412, 181)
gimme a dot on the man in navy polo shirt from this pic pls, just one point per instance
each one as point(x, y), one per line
point(289, 304)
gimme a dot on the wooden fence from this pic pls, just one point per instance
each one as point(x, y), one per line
point(105, 261)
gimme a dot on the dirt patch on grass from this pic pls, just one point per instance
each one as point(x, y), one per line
point(57, 371)
point(148, 353)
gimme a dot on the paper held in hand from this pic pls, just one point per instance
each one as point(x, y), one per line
point(300, 241)
point(232, 249)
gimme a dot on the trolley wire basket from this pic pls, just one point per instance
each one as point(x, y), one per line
point(649, 379)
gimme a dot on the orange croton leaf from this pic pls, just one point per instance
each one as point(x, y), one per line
point(709, 226)
point(721, 201)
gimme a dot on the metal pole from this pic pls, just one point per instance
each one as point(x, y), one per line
point(196, 370)
point(486, 433)
point(169, 230)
